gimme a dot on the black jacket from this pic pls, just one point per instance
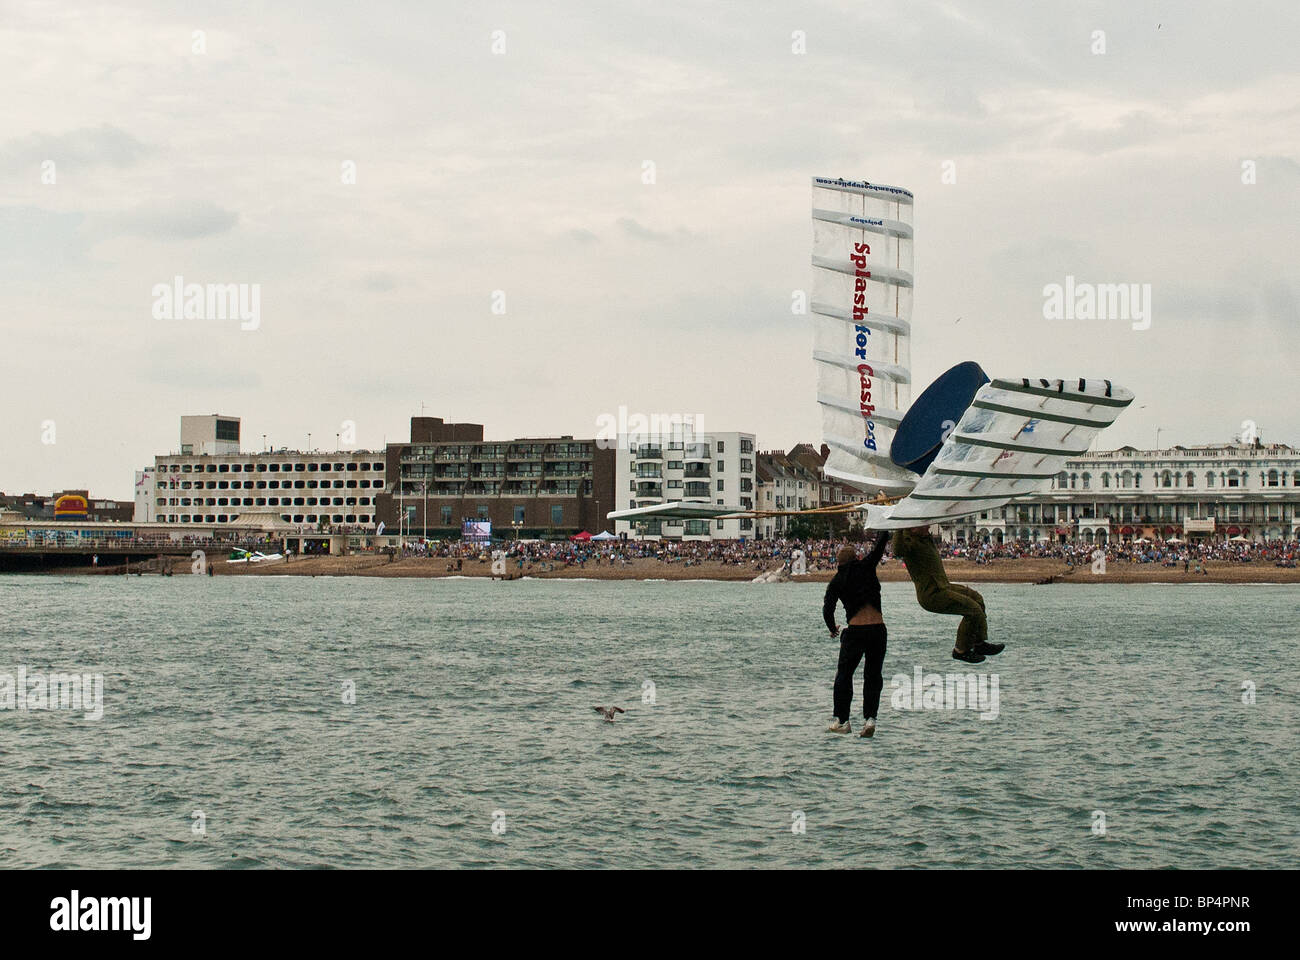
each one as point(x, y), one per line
point(855, 583)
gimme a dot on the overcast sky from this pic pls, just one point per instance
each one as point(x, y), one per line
point(524, 172)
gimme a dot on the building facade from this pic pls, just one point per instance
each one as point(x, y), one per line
point(304, 487)
point(1194, 493)
point(713, 468)
point(210, 481)
point(786, 482)
point(527, 488)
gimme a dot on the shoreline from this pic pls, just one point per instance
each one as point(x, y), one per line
point(959, 570)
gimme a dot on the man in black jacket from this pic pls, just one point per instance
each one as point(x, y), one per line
point(856, 585)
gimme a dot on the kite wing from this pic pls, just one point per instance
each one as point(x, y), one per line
point(1012, 440)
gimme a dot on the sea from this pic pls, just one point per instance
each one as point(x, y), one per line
point(298, 722)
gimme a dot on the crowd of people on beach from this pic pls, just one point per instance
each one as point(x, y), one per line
point(792, 555)
point(1282, 553)
point(761, 555)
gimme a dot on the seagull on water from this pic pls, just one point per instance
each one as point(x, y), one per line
point(608, 712)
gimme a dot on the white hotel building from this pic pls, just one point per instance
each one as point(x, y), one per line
point(1198, 493)
point(211, 481)
point(713, 468)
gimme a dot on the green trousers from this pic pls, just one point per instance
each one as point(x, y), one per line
point(935, 594)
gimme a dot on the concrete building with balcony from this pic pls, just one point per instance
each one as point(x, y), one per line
point(211, 482)
point(528, 488)
point(312, 487)
point(1195, 493)
point(712, 468)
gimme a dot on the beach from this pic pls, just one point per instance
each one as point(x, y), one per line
point(891, 571)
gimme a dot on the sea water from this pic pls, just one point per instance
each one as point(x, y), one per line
point(358, 722)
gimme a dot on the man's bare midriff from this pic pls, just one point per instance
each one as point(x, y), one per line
point(866, 617)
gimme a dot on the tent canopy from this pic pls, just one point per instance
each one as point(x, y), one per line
point(604, 535)
point(584, 535)
point(264, 520)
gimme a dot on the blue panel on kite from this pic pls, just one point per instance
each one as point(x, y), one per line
point(933, 415)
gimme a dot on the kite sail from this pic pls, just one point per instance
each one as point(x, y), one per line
point(862, 306)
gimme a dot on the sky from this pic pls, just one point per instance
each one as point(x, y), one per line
point(532, 215)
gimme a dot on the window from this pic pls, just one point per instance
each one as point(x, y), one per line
point(720, 487)
point(444, 514)
point(557, 514)
point(721, 448)
point(519, 514)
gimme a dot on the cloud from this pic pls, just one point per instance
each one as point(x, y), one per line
point(378, 282)
point(631, 228)
point(173, 220)
point(104, 145)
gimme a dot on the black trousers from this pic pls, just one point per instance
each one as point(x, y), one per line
point(856, 643)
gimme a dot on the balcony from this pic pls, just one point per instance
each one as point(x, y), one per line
point(697, 490)
point(697, 451)
point(650, 490)
point(697, 471)
point(568, 452)
point(647, 452)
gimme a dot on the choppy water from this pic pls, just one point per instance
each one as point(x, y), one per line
point(225, 696)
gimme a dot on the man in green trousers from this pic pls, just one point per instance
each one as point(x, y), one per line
point(915, 547)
